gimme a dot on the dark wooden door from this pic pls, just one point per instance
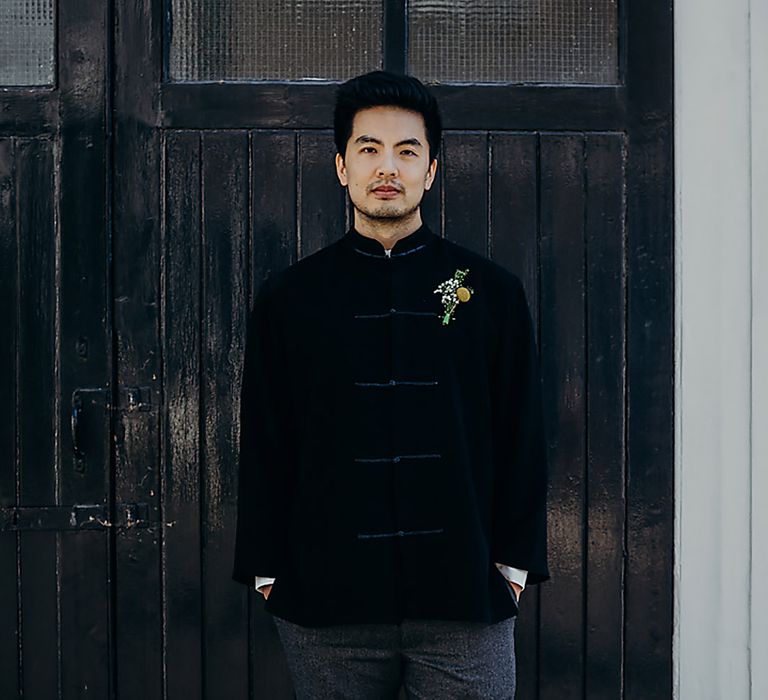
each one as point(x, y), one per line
point(58, 516)
point(206, 163)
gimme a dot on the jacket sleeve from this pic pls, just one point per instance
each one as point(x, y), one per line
point(265, 466)
point(519, 523)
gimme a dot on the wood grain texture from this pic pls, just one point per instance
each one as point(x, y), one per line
point(563, 350)
point(320, 198)
point(181, 466)
point(85, 344)
point(465, 190)
point(605, 252)
point(273, 246)
point(514, 243)
point(10, 656)
point(36, 372)
point(224, 308)
point(138, 653)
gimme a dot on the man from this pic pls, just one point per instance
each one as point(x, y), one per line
point(392, 494)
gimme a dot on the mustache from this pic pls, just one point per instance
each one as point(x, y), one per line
point(394, 185)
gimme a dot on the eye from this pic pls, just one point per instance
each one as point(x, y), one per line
point(409, 151)
point(367, 148)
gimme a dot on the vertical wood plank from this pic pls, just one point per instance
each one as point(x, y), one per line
point(465, 184)
point(9, 610)
point(514, 207)
point(37, 408)
point(84, 293)
point(225, 196)
point(274, 189)
point(139, 668)
point(514, 244)
point(562, 312)
point(85, 664)
point(606, 420)
point(432, 202)
point(649, 591)
point(321, 199)
point(272, 248)
point(650, 438)
point(181, 265)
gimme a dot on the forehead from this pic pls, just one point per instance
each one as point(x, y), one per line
point(384, 121)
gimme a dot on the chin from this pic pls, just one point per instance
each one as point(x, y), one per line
point(390, 213)
point(387, 212)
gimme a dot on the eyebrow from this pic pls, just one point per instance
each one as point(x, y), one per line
point(372, 139)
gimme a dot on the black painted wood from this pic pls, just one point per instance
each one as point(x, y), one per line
point(320, 198)
point(465, 189)
point(650, 401)
point(395, 36)
point(57, 603)
point(272, 246)
point(28, 111)
point(514, 218)
point(137, 220)
point(224, 306)
point(36, 341)
point(10, 681)
point(83, 285)
point(606, 420)
point(563, 345)
point(273, 104)
point(138, 645)
point(274, 164)
point(432, 204)
point(649, 593)
point(36, 456)
point(180, 463)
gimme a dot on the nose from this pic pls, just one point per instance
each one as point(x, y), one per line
point(387, 165)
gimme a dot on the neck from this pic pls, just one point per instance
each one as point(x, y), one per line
point(387, 231)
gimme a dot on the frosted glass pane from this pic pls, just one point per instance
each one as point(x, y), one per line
point(264, 39)
point(540, 41)
point(26, 42)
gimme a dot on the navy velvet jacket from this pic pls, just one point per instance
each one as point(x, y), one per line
point(382, 446)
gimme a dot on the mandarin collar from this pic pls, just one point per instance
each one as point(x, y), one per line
point(413, 242)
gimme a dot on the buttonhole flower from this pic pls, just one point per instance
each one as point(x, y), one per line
point(453, 291)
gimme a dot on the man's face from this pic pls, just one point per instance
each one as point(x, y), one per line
point(386, 166)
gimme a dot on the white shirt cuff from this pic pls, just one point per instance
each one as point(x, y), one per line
point(517, 576)
point(510, 573)
point(263, 581)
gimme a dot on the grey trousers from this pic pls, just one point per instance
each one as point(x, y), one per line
point(442, 659)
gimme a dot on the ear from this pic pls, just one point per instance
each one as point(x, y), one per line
point(429, 178)
point(341, 170)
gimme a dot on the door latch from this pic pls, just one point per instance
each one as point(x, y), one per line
point(131, 399)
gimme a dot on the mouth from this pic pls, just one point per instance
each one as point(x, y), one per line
point(387, 192)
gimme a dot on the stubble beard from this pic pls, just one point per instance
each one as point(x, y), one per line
point(385, 213)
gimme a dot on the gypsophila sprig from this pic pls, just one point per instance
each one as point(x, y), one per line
point(453, 291)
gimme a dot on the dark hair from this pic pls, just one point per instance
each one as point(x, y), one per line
point(384, 88)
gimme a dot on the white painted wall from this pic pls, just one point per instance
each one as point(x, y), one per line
point(721, 182)
point(759, 187)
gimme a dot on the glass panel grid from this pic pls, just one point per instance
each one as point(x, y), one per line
point(26, 42)
point(235, 40)
point(492, 41)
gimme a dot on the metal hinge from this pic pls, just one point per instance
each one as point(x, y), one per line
point(134, 398)
point(90, 401)
point(88, 516)
point(129, 398)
